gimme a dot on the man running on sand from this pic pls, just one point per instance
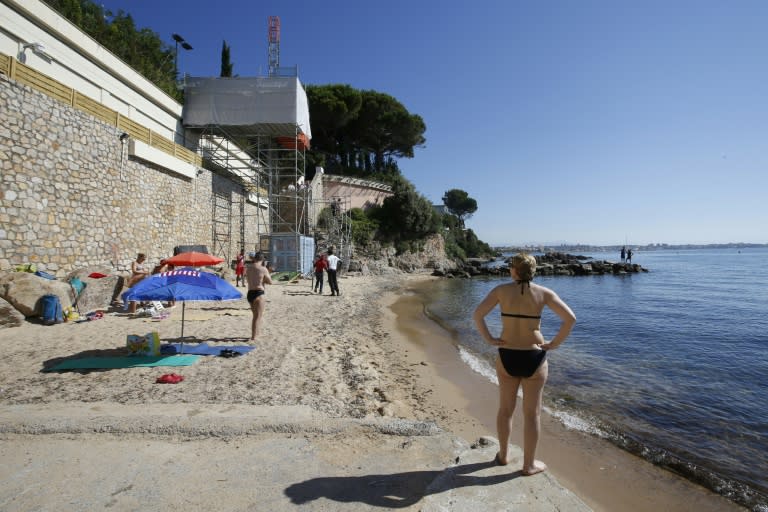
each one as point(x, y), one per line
point(257, 275)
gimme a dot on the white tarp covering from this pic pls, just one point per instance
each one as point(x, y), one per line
point(274, 105)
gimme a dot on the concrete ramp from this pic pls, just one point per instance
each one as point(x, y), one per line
point(222, 457)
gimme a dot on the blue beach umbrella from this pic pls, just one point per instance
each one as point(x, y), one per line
point(185, 284)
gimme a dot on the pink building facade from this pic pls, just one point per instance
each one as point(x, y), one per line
point(354, 192)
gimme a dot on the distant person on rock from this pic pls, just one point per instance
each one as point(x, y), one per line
point(629, 256)
point(623, 254)
point(522, 360)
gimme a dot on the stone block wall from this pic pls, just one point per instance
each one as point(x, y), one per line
point(71, 197)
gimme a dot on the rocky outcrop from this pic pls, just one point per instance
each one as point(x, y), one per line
point(20, 293)
point(24, 291)
point(9, 315)
point(380, 260)
point(99, 293)
point(557, 264)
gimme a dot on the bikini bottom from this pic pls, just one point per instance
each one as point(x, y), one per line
point(253, 294)
point(522, 363)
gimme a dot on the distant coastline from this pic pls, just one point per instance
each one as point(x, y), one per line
point(580, 248)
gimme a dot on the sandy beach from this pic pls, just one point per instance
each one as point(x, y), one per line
point(369, 354)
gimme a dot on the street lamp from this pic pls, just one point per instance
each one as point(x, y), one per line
point(184, 44)
point(37, 48)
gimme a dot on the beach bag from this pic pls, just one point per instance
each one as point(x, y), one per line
point(148, 345)
point(45, 275)
point(52, 312)
point(27, 267)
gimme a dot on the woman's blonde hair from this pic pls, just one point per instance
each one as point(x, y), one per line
point(525, 264)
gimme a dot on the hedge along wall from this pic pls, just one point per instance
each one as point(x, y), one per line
point(70, 197)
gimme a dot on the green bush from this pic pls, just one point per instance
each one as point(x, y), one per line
point(364, 228)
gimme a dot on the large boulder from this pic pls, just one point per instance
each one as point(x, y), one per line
point(24, 291)
point(99, 293)
point(9, 315)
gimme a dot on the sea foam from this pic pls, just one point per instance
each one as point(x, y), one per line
point(478, 365)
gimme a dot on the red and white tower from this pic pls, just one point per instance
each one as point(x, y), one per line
point(273, 38)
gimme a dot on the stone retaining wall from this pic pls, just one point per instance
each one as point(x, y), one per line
point(70, 196)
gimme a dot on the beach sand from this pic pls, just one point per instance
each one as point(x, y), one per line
point(369, 354)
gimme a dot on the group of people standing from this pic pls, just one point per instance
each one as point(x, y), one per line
point(626, 255)
point(329, 263)
point(256, 274)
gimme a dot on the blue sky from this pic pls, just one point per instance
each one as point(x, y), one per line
point(593, 122)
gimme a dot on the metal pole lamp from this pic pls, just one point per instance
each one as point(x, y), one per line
point(184, 44)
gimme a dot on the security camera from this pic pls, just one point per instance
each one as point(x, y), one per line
point(124, 136)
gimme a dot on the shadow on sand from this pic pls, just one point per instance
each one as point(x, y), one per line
point(396, 490)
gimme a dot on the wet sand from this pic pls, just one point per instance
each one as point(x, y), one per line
point(604, 476)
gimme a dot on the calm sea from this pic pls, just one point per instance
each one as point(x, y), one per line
point(671, 365)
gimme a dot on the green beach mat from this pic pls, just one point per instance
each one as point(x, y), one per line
point(123, 362)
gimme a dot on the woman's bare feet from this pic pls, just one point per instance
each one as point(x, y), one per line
point(536, 467)
point(499, 461)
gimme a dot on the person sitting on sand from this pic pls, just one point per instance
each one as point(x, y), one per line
point(522, 353)
point(139, 270)
point(161, 267)
point(257, 275)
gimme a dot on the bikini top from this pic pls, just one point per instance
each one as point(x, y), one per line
point(522, 283)
point(521, 316)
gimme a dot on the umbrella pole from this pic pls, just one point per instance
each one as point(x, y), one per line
point(183, 309)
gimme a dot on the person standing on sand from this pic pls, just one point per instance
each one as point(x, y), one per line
point(522, 353)
point(257, 275)
point(333, 265)
point(321, 263)
point(240, 268)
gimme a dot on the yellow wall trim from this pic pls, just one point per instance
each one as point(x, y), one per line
point(43, 83)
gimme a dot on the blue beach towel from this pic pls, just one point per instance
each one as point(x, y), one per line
point(102, 363)
point(202, 349)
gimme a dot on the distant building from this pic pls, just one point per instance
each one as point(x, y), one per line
point(357, 193)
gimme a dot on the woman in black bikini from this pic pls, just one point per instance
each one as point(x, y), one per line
point(522, 353)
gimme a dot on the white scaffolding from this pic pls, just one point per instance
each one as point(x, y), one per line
point(255, 131)
point(333, 227)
